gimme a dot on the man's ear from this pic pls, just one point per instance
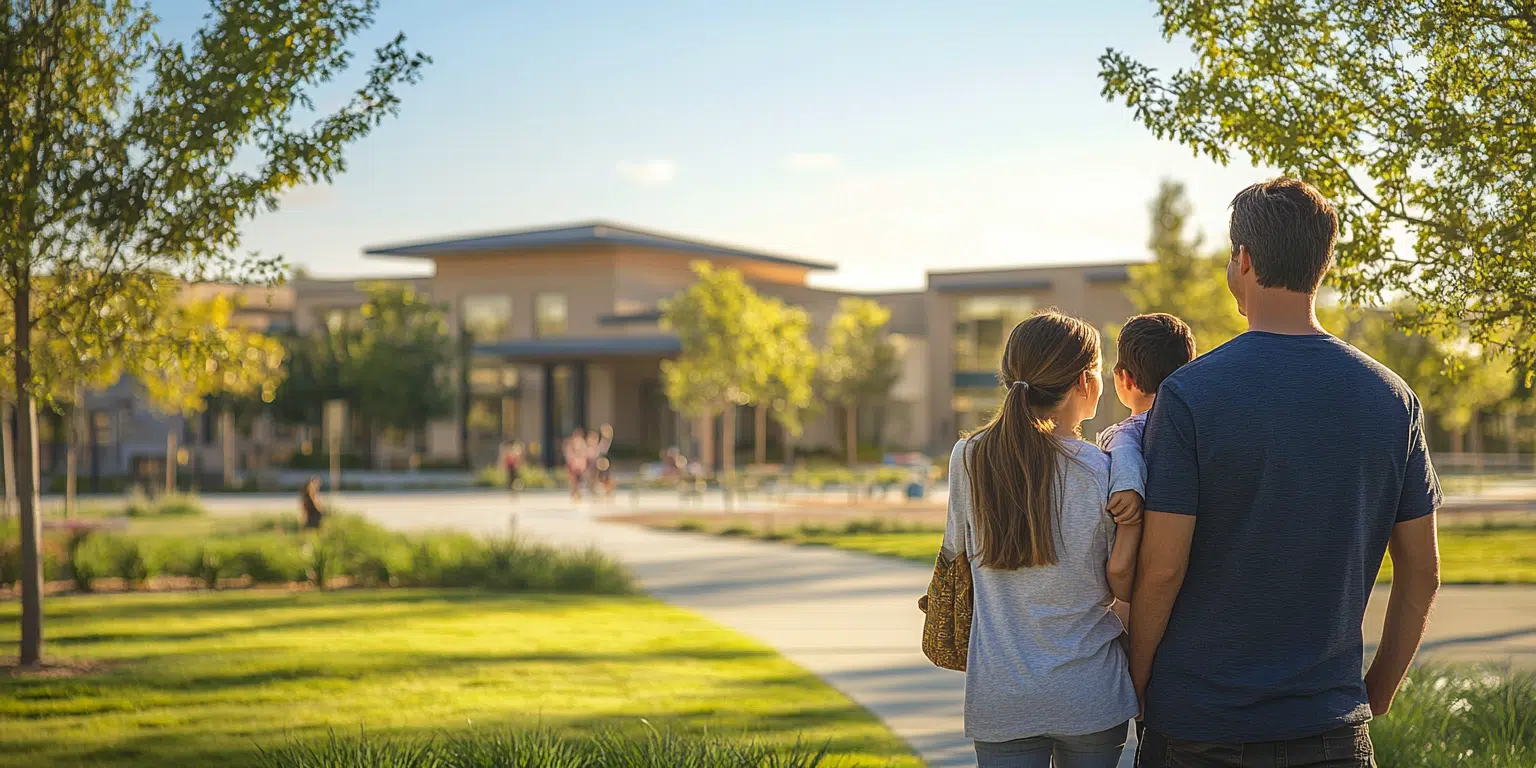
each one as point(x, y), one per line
point(1244, 260)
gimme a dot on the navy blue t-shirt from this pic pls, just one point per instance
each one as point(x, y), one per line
point(1296, 455)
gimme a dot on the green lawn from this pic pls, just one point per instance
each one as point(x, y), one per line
point(1468, 555)
point(202, 679)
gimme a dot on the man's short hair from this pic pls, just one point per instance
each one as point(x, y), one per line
point(1289, 228)
point(1152, 347)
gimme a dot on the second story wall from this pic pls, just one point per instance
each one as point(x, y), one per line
point(525, 295)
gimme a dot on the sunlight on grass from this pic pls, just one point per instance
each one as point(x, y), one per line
point(202, 679)
point(1468, 555)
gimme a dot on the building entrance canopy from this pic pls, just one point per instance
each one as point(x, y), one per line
point(575, 348)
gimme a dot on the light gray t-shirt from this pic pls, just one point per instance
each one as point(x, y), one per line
point(1044, 657)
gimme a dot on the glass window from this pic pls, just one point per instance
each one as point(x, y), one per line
point(549, 314)
point(492, 377)
point(982, 325)
point(973, 406)
point(486, 318)
point(338, 319)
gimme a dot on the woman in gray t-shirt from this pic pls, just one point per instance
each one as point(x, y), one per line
point(1046, 676)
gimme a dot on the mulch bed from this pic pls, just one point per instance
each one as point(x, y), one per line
point(54, 670)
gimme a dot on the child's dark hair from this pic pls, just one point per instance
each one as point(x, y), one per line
point(1152, 347)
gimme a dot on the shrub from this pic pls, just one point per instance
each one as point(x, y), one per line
point(540, 749)
point(322, 460)
point(491, 477)
point(737, 530)
point(536, 477)
point(81, 572)
point(129, 562)
point(532, 476)
point(210, 565)
point(875, 525)
point(168, 505)
point(268, 560)
point(689, 526)
point(1473, 717)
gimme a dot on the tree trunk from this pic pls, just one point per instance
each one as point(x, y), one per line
point(71, 458)
point(1476, 440)
point(227, 437)
point(170, 461)
point(760, 431)
point(26, 484)
point(852, 413)
point(8, 457)
point(728, 439)
point(705, 428)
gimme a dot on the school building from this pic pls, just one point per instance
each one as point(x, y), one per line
point(561, 325)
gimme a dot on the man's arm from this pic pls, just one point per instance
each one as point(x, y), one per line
point(1415, 580)
point(1159, 574)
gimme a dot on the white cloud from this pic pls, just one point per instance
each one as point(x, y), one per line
point(647, 173)
point(811, 161)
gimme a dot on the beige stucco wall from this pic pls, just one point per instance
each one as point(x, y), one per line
point(1087, 291)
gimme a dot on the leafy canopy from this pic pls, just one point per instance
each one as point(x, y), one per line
point(1415, 118)
point(858, 364)
point(727, 331)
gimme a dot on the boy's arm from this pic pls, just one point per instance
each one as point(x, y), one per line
point(1127, 468)
point(1127, 475)
point(1122, 560)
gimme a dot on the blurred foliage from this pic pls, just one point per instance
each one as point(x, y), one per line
point(1185, 278)
point(1404, 114)
point(859, 363)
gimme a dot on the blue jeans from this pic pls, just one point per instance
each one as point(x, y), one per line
point(1095, 750)
point(1345, 747)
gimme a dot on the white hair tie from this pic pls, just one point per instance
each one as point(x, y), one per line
point(1020, 383)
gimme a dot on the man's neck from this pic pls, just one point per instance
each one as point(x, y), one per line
point(1275, 310)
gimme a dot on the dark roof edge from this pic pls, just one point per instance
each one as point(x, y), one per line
point(637, 237)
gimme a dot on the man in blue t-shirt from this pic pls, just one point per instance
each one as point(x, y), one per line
point(1280, 467)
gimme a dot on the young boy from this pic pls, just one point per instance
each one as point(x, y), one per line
point(1151, 348)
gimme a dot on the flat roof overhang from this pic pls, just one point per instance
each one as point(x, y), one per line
point(572, 348)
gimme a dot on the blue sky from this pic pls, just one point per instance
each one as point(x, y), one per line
point(888, 137)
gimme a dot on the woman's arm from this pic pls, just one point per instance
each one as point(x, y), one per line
point(956, 524)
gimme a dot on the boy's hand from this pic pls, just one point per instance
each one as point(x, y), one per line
point(1125, 507)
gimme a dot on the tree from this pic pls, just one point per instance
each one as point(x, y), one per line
point(123, 154)
point(198, 355)
point(1408, 115)
point(391, 367)
point(726, 330)
point(858, 365)
point(1181, 279)
point(397, 361)
point(1455, 379)
point(787, 392)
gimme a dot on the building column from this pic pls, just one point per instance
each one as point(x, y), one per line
point(546, 416)
point(579, 395)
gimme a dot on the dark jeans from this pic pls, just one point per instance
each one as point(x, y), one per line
point(1346, 747)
